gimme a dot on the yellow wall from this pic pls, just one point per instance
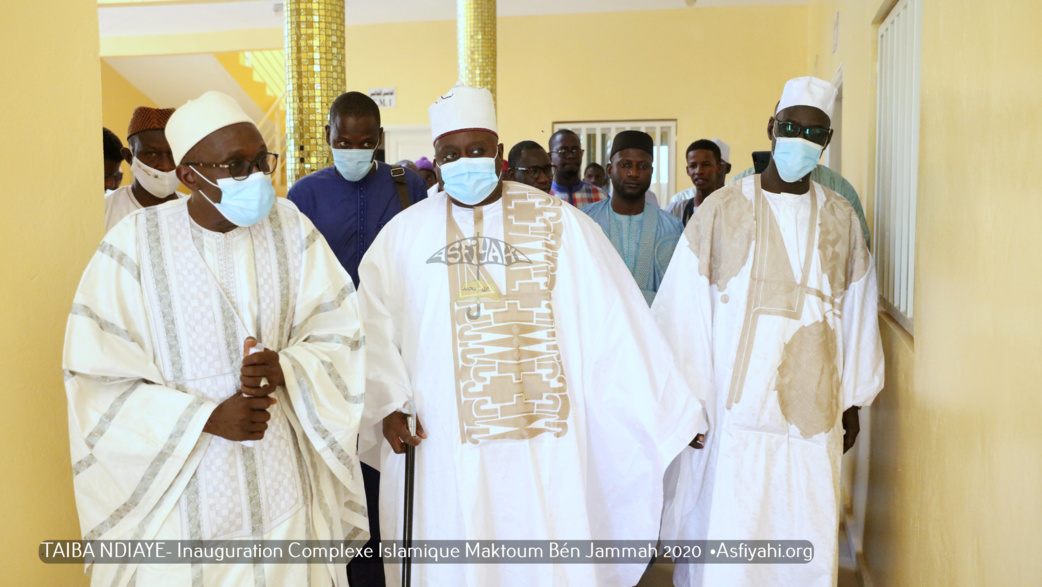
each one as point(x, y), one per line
point(118, 101)
point(853, 63)
point(243, 76)
point(955, 447)
point(717, 71)
point(192, 43)
point(50, 227)
point(955, 469)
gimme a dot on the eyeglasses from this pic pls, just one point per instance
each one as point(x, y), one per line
point(791, 130)
point(240, 169)
point(569, 151)
point(533, 173)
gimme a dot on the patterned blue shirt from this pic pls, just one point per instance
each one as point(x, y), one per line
point(645, 241)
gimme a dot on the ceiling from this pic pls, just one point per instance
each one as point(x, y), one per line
point(172, 80)
point(234, 15)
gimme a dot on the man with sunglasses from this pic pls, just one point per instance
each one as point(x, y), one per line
point(213, 365)
point(566, 155)
point(151, 162)
point(529, 164)
point(828, 178)
point(770, 303)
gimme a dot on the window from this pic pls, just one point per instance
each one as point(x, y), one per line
point(897, 157)
point(596, 140)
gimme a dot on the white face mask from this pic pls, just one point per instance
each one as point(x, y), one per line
point(470, 180)
point(244, 202)
point(353, 164)
point(158, 183)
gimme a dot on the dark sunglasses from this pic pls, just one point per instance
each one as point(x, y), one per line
point(791, 130)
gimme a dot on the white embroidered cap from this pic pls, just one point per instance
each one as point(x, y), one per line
point(463, 108)
point(198, 118)
point(725, 151)
point(808, 91)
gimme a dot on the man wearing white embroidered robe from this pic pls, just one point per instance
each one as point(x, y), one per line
point(174, 433)
point(770, 304)
point(509, 323)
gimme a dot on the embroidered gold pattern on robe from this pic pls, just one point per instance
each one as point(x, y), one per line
point(844, 259)
point(808, 379)
point(509, 377)
point(722, 246)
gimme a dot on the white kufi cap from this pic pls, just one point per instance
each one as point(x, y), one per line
point(725, 151)
point(198, 118)
point(463, 108)
point(808, 91)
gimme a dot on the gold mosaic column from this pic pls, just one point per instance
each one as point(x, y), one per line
point(315, 76)
point(476, 43)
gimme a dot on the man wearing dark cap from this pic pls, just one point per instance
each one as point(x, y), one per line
point(151, 162)
point(644, 235)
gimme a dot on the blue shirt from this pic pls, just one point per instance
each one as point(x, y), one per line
point(645, 241)
point(349, 214)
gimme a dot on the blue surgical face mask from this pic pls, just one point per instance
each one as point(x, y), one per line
point(244, 202)
point(795, 158)
point(470, 180)
point(353, 164)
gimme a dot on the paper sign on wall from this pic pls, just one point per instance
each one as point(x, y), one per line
point(384, 97)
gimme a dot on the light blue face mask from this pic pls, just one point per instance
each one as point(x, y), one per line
point(795, 158)
point(353, 164)
point(245, 202)
point(469, 180)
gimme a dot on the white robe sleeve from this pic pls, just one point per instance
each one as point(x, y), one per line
point(134, 440)
point(324, 366)
point(862, 348)
point(683, 310)
point(387, 378)
point(639, 409)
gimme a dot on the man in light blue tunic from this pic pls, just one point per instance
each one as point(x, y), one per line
point(644, 236)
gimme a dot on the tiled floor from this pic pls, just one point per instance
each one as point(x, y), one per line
point(660, 575)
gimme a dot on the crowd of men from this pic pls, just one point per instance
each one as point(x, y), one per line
point(568, 360)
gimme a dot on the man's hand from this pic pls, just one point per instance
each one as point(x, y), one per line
point(240, 418)
point(851, 427)
point(699, 441)
point(396, 431)
point(257, 367)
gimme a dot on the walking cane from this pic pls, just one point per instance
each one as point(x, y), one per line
point(410, 482)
